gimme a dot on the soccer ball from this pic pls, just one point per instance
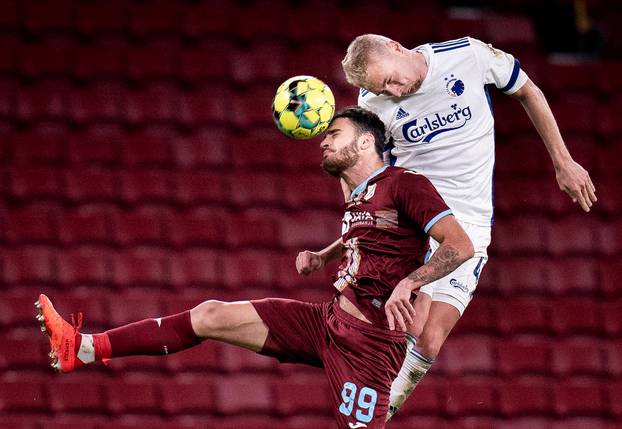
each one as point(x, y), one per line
point(303, 107)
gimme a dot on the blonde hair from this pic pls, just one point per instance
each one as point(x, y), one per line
point(358, 55)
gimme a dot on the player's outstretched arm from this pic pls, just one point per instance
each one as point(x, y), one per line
point(308, 262)
point(455, 247)
point(571, 177)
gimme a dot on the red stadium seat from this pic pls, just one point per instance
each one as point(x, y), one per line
point(20, 393)
point(310, 229)
point(198, 227)
point(257, 149)
point(30, 224)
point(87, 224)
point(472, 395)
point(89, 302)
point(583, 423)
point(564, 318)
point(207, 147)
point(101, 101)
point(87, 149)
point(527, 423)
point(321, 29)
point(155, 103)
point(246, 268)
point(15, 304)
point(27, 264)
point(34, 182)
point(521, 235)
point(236, 359)
point(156, 59)
point(580, 356)
point(575, 115)
point(198, 268)
point(609, 235)
point(245, 115)
point(263, 421)
point(52, 56)
point(134, 394)
point(509, 32)
point(20, 421)
point(260, 62)
point(521, 275)
point(253, 229)
point(207, 105)
point(301, 61)
point(210, 59)
point(101, 16)
point(92, 184)
point(422, 422)
point(303, 155)
point(523, 356)
point(200, 187)
point(146, 186)
point(9, 15)
point(83, 266)
point(468, 354)
point(232, 394)
point(137, 421)
point(573, 235)
point(209, 18)
point(563, 78)
point(140, 267)
point(189, 393)
point(301, 394)
point(479, 317)
point(573, 275)
point(21, 352)
point(614, 391)
point(608, 197)
point(105, 57)
point(523, 315)
point(365, 17)
point(312, 190)
point(579, 398)
point(611, 317)
point(525, 396)
point(147, 150)
point(156, 17)
point(39, 147)
point(144, 225)
point(11, 46)
point(43, 16)
point(48, 100)
point(79, 393)
point(426, 399)
point(261, 19)
point(203, 357)
point(256, 189)
point(8, 89)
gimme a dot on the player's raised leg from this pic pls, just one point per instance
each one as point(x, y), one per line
point(236, 323)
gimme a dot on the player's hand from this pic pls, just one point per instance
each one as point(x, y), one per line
point(575, 181)
point(308, 262)
point(398, 307)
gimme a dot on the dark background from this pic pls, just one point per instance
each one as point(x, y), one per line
point(140, 173)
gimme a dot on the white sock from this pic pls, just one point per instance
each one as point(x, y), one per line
point(87, 351)
point(413, 369)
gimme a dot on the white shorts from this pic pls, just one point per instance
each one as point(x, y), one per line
point(457, 288)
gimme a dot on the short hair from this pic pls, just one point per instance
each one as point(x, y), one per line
point(358, 54)
point(365, 121)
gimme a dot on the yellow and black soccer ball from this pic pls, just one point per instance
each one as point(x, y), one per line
point(303, 107)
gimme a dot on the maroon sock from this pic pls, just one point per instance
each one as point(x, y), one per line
point(151, 337)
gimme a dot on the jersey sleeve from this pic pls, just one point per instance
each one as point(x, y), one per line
point(418, 199)
point(499, 68)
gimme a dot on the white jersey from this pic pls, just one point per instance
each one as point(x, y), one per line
point(445, 129)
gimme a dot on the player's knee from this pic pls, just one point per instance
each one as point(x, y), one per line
point(207, 318)
point(431, 341)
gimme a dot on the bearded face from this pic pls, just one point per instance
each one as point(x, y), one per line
point(334, 162)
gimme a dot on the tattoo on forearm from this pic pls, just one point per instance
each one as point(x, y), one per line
point(443, 261)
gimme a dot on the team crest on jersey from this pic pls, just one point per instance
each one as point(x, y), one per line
point(453, 86)
point(371, 190)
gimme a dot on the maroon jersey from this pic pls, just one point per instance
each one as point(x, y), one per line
point(384, 231)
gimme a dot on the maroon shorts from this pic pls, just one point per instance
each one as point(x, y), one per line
point(360, 360)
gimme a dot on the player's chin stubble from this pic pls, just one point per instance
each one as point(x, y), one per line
point(340, 161)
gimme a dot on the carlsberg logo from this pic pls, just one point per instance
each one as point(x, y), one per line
point(429, 127)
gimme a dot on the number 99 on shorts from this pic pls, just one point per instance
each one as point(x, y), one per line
point(360, 402)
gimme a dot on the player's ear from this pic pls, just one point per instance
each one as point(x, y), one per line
point(366, 140)
point(394, 46)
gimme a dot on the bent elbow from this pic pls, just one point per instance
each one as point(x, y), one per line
point(467, 250)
